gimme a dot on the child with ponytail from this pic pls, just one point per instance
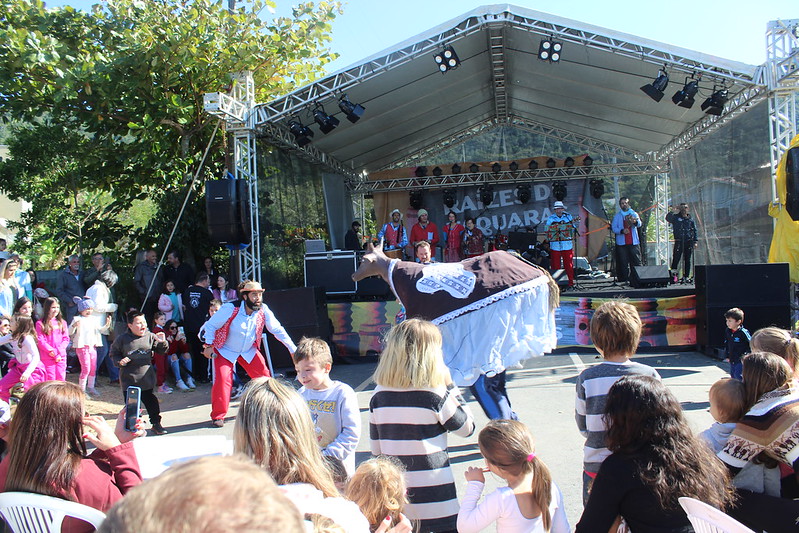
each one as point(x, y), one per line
point(530, 503)
point(778, 341)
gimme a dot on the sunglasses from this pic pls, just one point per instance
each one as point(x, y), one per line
point(173, 327)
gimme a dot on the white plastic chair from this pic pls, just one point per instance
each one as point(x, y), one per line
point(708, 519)
point(26, 512)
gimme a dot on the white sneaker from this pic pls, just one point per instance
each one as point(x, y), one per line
point(180, 385)
point(236, 393)
point(165, 389)
point(190, 383)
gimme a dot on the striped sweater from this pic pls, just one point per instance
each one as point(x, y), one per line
point(771, 426)
point(593, 385)
point(412, 426)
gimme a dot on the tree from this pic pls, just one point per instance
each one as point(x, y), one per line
point(123, 86)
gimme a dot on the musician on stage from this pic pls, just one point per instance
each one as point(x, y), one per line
point(393, 233)
point(473, 239)
point(560, 228)
point(625, 225)
point(684, 230)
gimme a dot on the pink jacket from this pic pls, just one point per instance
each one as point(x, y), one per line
point(56, 342)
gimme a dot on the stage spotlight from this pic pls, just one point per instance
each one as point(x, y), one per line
point(473, 168)
point(655, 89)
point(486, 194)
point(685, 96)
point(551, 163)
point(597, 188)
point(559, 190)
point(449, 197)
point(555, 55)
point(353, 112)
point(496, 167)
point(327, 123)
point(415, 199)
point(420, 172)
point(302, 133)
point(523, 193)
point(549, 50)
point(588, 161)
point(568, 162)
point(514, 166)
point(447, 59)
point(437, 171)
point(714, 105)
point(533, 164)
point(456, 168)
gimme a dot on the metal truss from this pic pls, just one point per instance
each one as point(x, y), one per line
point(661, 226)
point(341, 81)
point(738, 104)
point(782, 58)
point(646, 168)
point(496, 54)
point(281, 137)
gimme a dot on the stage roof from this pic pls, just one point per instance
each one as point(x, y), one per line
point(590, 98)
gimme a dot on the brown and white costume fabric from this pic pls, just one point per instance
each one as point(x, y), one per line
point(493, 310)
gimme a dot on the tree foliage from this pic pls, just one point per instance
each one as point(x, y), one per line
point(112, 106)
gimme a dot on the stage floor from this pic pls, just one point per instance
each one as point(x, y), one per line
point(610, 288)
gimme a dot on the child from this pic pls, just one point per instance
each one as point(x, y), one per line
point(86, 335)
point(531, 501)
point(52, 336)
point(414, 406)
point(378, 487)
point(26, 367)
point(615, 331)
point(728, 406)
point(778, 341)
point(132, 352)
point(177, 353)
point(333, 404)
point(736, 343)
point(159, 321)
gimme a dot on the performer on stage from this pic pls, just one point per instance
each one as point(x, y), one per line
point(560, 228)
point(233, 335)
point(424, 230)
point(684, 230)
point(473, 239)
point(453, 235)
point(625, 225)
point(352, 239)
point(393, 233)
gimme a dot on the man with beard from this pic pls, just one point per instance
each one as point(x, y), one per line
point(233, 335)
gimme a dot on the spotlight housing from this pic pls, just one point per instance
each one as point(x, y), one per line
point(437, 171)
point(588, 161)
point(447, 60)
point(714, 105)
point(353, 112)
point(302, 133)
point(327, 123)
point(559, 190)
point(456, 168)
point(551, 163)
point(685, 96)
point(597, 188)
point(549, 50)
point(473, 168)
point(486, 194)
point(416, 199)
point(514, 166)
point(568, 162)
point(523, 193)
point(449, 197)
point(496, 167)
point(554, 57)
point(420, 172)
point(655, 89)
point(532, 165)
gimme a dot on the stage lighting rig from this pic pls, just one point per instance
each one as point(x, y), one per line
point(496, 167)
point(473, 168)
point(421, 172)
point(714, 104)
point(655, 89)
point(416, 199)
point(353, 112)
point(449, 198)
point(447, 59)
point(597, 188)
point(551, 163)
point(437, 171)
point(302, 133)
point(685, 96)
point(327, 123)
point(559, 190)
point(456, 168)
point(523, 193)
point(486, 194)
point(549, 50)
point(532, 165)
point(514, 166)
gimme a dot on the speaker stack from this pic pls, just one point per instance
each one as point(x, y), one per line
point(303, 312)
point(761, 291)
point(649, 276)
point(227, 211)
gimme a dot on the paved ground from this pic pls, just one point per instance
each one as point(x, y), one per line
point(542, 394)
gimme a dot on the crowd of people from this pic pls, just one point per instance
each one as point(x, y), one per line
point(298, 446)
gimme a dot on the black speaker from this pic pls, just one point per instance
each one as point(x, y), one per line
point(303, 312)
point(331, 270)
point(792, 183)
point(761, 291)
point(649, 276)
point(227, 211)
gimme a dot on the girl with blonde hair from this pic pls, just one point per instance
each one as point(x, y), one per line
point(378, 487)
point(414, 406)
point(778, 341)
point(531, 502)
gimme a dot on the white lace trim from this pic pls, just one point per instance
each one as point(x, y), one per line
point(527, 286)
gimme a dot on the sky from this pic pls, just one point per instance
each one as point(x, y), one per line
point(732, 30)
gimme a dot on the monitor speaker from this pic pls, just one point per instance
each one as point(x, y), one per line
point(227, 211)
point(650, 276)
point(303, 313)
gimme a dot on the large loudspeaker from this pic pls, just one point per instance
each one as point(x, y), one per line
point(649, 276)
point(303, 312)
point(792, 183)
point(332, 271)
point(227, 211)
point(761, 291)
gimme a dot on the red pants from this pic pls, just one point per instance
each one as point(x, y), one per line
point(160, 368)
point(565, 258)
point(223, 381)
